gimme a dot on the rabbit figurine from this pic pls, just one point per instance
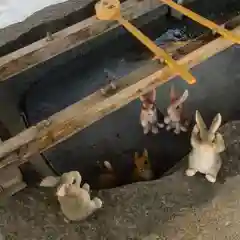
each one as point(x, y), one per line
point(142, 170)
point(74, 200)
point(148, 116)
point(206, 144)
point(174, 117)
point(108, 177)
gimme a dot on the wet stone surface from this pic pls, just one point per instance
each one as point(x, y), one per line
point(174, 207)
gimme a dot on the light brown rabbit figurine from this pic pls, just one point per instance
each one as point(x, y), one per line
point(142, 170)
point(148, 116)
point(174, 118)
point(206, 146)
point(74, 200)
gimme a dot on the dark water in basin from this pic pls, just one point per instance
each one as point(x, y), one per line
point(119, 135)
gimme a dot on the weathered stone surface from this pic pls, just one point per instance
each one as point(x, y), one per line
point(44, 16)
point(174, 207)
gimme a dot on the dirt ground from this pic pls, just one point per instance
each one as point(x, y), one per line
point(174, 207)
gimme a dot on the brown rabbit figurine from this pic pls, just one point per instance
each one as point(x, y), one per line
point(142, 170)
point(148, 116)
point(174, 119)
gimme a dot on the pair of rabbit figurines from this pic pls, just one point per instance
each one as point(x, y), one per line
point(142, 171)
point(174, 118)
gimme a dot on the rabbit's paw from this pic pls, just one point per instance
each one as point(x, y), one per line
point(161, 125)
point(177, 131)
point(183, 129)
point(167, 120)
point(66, 220)
point(86, 187)
point(98, 202)
point(210, 178)
point(168, 128)
point(145, 131)
point(154, 130)
point(190, 172)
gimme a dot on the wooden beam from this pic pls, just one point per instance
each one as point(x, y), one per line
point(203, 21)
point(69, 38)
point(94, 107)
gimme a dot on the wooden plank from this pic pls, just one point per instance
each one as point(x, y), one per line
point(69, 38)
point(80, 115)
point(203, 21)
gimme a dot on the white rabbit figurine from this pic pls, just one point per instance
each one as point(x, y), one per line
point(75, 201)
point(148, 116)
point(206, 146)
point(174, 117)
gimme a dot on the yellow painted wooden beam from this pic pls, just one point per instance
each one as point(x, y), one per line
point(203, 21)
point(110, 10)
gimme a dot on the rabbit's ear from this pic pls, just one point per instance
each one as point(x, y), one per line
point(69, 177)
point(173, 94)
point(184, 97)
point(142, 98)
point(136, 156)
point(49, 181)
point(180, 100)
point(215, 124)
point(145, 153)
point(62, 190)
point(201, 125)
point(194, 137)
point(108, 165)
point(153, 95)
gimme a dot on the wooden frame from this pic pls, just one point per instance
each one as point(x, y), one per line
point(94, 107)
point(42, 50)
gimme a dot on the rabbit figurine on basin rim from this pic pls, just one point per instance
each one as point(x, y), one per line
point(206, 148)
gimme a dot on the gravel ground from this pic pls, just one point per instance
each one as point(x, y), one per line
point(174, 207)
